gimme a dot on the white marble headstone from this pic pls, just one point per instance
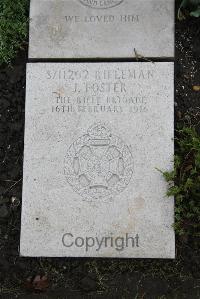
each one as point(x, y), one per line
point(101, 28)
point(95, 135)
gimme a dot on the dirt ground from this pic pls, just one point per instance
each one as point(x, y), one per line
point(61, 278)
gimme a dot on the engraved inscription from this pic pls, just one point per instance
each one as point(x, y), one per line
point(98, 165)
point(105, 19)
point(100, 91)
point(101, 4)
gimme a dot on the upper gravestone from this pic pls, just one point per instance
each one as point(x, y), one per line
point(95, 136)
point(101, 28)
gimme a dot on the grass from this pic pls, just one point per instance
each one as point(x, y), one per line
point(184, 182)
point(191, 7)
point(13, 28)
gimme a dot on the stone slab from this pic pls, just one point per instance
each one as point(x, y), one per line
point(101, 28)
point(95, 135)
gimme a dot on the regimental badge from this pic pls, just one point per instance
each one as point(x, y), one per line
point(98, 165)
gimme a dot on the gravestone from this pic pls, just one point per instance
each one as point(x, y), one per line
point(96, 136)
point(101, 28)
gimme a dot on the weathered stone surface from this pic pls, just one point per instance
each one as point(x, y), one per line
point(101, 28)
point(95, 136)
